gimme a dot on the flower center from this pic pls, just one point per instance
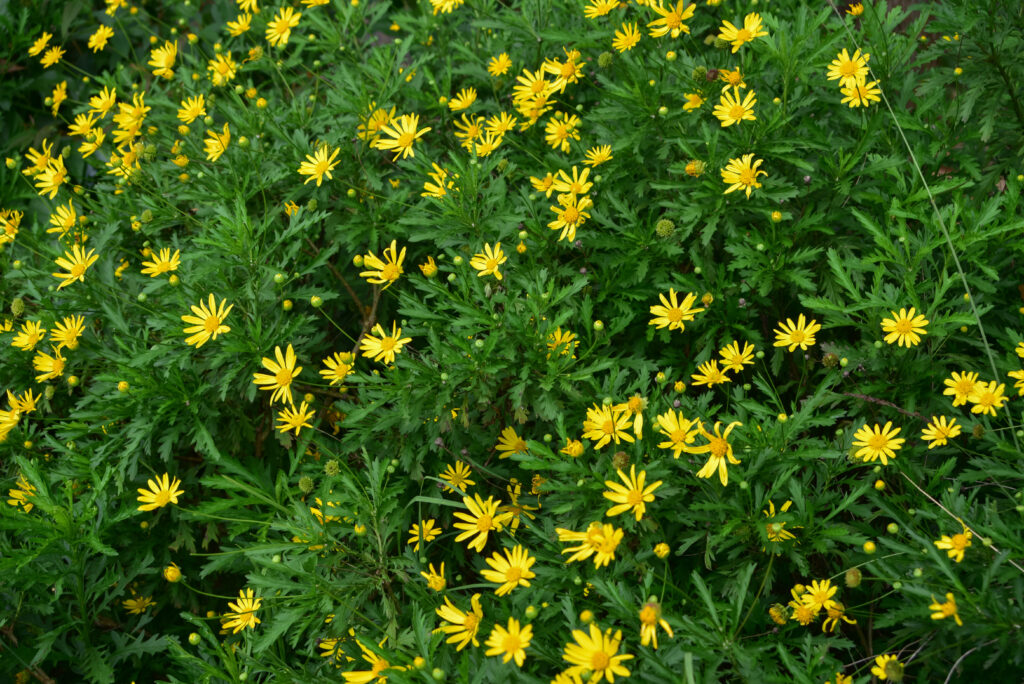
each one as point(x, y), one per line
point(674, 315)
point(608, 427)
point(747, 177)
point(484, 523)
point(491, 265)
point(672, 20)
point(848, 68)
point(960, 542)
point(743, 35)
point(737, 111)
point(77, 270)
point(719, 447)
point(878, 442)
point(513, 574)
point(162, 498)
point(390, 272)
point(678, 436)
point(512, 643)
point(387, 344)
point(379, 664)
point(570, 215)
point(797, 336)
point(405, 140)
point(634, 497)
point(471, 622)
point(283, 378)
point(211, 324)
point(599, 661)
point(649, 615)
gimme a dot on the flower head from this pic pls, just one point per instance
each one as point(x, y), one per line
point(877, 442)
point(319, 164)
point(742, 173)
point(291, 419)
point(752, 28)
point(632, 495)
point(960, 386)
point(384, 272)
point(987, 397)
point(424, 531)
point(75, 262)
point(597, 654)
point(945, 609)
point(461, 627)
point(627, 37)
point(672, 314)
point(162, 262)
point(488, 261)
point(719, 452)
point(402, 133)
point(799, 334)
point(606, 423)
point(243, 612)
point(208, 321)
point(457, 477)
point(511, 570)
point(731, 110)
point(733, 359)
point(511, 643)
point(435, 578)
point(679, 430)
point(282, 371)
point(382, 347)
point(482, 519)
point(279, 29)
point(939, 430)
point(511, 443)
point(671, 20)
point(216, 143)
point(849, 71)
point(650, 620)
point(161, 492)
point(956, 545)
point(887, 667)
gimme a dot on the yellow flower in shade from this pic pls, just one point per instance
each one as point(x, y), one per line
point(500, 124)
point(599, 8)
point(49, 180)
point(222, 68)
point(510, 571)
point(956, 545)
point(162, 263)
point(596, 654)
point(208, 321)
point(854, 10)
point(877, 443)
point(776, 530)
point(30, 334)
point(291, 419)
point(63, 219)
point(463, 100)
point(483, 517)
point(671, 21)
point(650, 620)
point(40, 44)
point(279, 29)
point(425, 531)
point(742, 173)
point(370, 126)
point(137, 605)
point(516, 509)
point(693, 101)
point(511, 643)
point(241, 24)
point(632, 496)
point(435, 578)
point(799, 334)
point(679, 431)
point(499, 66)
point(402, 133)
point(573, 448)
point(457, 477)
point(488, 261)
point(719, 452)
point(604, 424)
point(382, 347)
point(338, 367)
point(888, 667)
point(98, 40)
point(733, 359)
point(560, 129)
point(627, 37)
point(661, 550)
point(282, 372)
point(1018, 375)
point(987, 397)
point(577, 184)
point(387, 271)
point(960, 386)
point(940, 430)
point(819, 595)
point(1019, 350)
point(570, 214)
point(60, 93)
point(248, 6)
point(945, 610)
point(835, 615)
point(162, 59)
point(21, 494)
point(242, 612)
point(752, 28)
point(562, 343)
point(849, 71)
point(460, 627)
point(52, 56)
point(708, 373)
point(731, 110)
point(172, 573)
point(671, 313)
point(162, 491)
point(216, 143)
point(510, 443)
point(429, 268)
point(319, 164)
point(598, 155)
point(634, 407)
point(861, 94)
point(26, 403)
point(733, 78)
point(75, 262)
point(49, 367)
point(599, 541)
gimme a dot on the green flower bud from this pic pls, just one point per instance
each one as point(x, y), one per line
point(665, 228)
point(605, 59)
point(17, 306)
point(306, 484)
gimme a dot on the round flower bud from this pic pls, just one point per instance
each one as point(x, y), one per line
point(892, 528)
point(607, 401)
point(661, 550)
point(144, 525)
point(957, 71)
point(918, 572)
point(878, 344)
point(279, 278)
point(457, 260)
point(357, 260)
point(620, 459)
point(479, 344)
point(208, 120)
point(879, 485)
point(598, 325)
point(665, 228)
point(869, 547)
point(660, 378)
point(776, 216)
point(312, 204)
point(16, 265)
point(194, 638)
point(523, 235)
point(759, 246)
point(122, 386)
point(897, 585)
point(670, 56)
point(586, 617)
point(662, 110)
point(172, 573)
point(316, 302)
point(452, 277)
point(359, 529)
point(744, 485)
point(438, 674)
point(747, 387)
point(306, 484)
point(142, 297)
point(695, 168)
point(679, 387)
point(844, 362)
point(17, 306)
point(699, 72)
point(853, 578)
point(530, 612)
point(604, 60)
point(783, 417)
point(287, 305)
point(72, 381)
point(331, 468)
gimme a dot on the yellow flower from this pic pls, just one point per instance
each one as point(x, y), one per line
point(861, 94)
point(49, 367)
point(483, 517)
point(819, 595)
point(960, 386)
point(752, 28)
point(854, 10)
point(877, 442)
point(208, 321)
point(598, 155)
point(52, 56)
point(835, 616)
point(222, 68)
point(319, 164)
point(75, 263)
point(292, 419)
point(424, 531)
point(887, 667)
point(510, 443)
point(435, 579)
point(742, 173)
point(98, 40)
point(570, 215)
point(161, 492)
point(402, 133)
point(627, 37)
point(672, 19)
point(732, 78)
point(31, 333)
point(49, 180)
point(461, 627)
point(776, 531)
point(370, 126)
point(384, 346)
point(499, 66)
point(733, 359)
point(633, 496)
point(719, 452)
point(576, 185)
point(216, 144)
point(562, 343)
point(429, 269)
point(945, 610)
point(987, 397)
point(162, 263)
point(457, 477)
point(500, 124)
point(137, 605)
point(799, 334)
point(488, 261)
point(464, 99)
point(172, 573)
point(560, 129)
point(599, 541)
point(604, 424)
point(338, 367)
point(241, 24)
point(849, 71)
point(387, 271)
point(162, 59)
point(1018, 375)
point(671, 313)
point(679, 431)
point(956, 545)
point(60, 93)
point(192, 108)
point(599, 8)
point(732, 111)
point(693, 101)
point(243, 612)
point(940, 430)
point(103, 102)
point(709, 374)
point(40, 44)
point(279, 29)
point(596, 654)
point(511, 643)
point(282, 372)
point(650, 620)
point(510, 571)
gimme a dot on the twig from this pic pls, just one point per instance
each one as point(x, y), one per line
point(883, 402)
point(953, 669)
